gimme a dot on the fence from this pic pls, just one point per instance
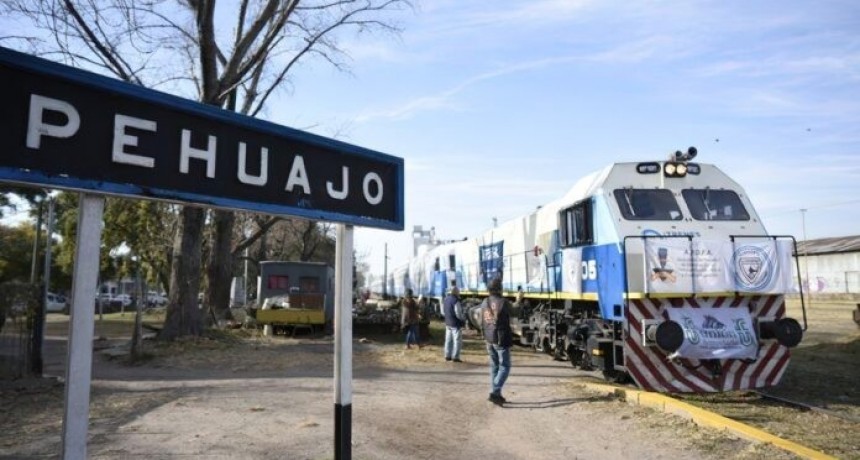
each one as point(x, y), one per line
point(20, 306)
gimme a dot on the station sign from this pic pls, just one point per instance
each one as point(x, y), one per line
point(71, 129)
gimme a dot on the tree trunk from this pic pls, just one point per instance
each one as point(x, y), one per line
point(219, 267)
point(183, 314)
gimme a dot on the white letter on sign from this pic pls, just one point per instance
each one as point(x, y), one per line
point(374, 200)
point(36, 127)
point(121, 139)
point(339, 194)
point(243, 175)
point(190, 152)
point(298, 176)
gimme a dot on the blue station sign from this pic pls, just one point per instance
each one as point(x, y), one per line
point(71, 129)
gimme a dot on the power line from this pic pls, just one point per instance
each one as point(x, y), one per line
point(830, 205)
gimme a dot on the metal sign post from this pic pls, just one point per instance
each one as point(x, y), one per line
point(343, 344)
point(80, 347)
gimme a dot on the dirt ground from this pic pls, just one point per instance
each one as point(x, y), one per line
point(243, 396)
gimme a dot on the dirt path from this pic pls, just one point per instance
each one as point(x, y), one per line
point(274, 399)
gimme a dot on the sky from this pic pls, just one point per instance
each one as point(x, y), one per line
point(499, 107)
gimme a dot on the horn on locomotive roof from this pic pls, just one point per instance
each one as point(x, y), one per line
point(681, 156)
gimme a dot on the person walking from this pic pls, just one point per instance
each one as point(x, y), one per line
point(454, 322)
point(409, 319)
point(496, 326)
point(425, 312)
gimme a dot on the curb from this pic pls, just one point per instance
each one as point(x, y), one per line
point(705, 418)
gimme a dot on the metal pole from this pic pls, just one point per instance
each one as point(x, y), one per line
point(38, 233)
point(39, 326)
point(806, 257)
point(81, 324)
point(245, 279)
point(343, 344)
point(385, 274)
point(137, 333)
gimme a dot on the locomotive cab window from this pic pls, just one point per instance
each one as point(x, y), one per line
point(575, 225)
point(710, 204)
point(647, 204)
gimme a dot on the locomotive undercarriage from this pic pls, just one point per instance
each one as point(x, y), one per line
point(573, 331)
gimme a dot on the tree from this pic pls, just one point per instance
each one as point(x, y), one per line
point(144, 227)
point(177, 45)
point(17, 244)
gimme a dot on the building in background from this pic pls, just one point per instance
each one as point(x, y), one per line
point(830, 266)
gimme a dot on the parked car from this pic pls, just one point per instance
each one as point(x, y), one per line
point(104, 298)
point(155, 299)
point(56, 303)
point(122, 300)
point(108, 302)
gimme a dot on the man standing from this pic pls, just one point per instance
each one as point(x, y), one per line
point(496, 326)
point(454, 323)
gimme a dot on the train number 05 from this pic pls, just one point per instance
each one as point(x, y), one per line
point(589, 269)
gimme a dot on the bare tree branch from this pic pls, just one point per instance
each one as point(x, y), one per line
point(105, 50)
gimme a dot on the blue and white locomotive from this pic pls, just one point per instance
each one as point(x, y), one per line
point(661, 272)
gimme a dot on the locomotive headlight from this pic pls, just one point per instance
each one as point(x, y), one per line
point(786, 331)
point(668, 335)
point(674, 169)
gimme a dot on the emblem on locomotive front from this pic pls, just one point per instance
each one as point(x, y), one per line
point(690, 330)
point(753, 268)
point(745, 335)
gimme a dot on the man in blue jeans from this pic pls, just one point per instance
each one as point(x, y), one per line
point(454, 323)
point(496, 326)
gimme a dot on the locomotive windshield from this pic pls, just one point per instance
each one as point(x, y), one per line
point(709, 204)
point(647, 204)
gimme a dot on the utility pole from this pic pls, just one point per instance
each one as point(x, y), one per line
point(385, 274)
point(806, 256)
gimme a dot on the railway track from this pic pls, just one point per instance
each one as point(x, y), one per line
point(807, 407)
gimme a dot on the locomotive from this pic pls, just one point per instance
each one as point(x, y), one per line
point(659, 272)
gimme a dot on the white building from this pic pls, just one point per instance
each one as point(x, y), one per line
point(830, 266)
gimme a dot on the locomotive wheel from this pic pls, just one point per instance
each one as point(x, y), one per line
point(558, 354)
point(545, 346)
point(585, 361)
point(574, 356)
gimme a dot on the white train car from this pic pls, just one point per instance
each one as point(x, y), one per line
point(661, 272)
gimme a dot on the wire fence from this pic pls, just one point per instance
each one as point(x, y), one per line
point(20, 305)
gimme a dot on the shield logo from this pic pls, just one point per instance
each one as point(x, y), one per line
point(750, 268)
point(753, 268)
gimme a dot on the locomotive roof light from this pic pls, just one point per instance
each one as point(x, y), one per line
point(674, 169)
point(677, 164)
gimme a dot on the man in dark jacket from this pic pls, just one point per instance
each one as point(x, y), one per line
point(454, 323)
point(409, 319)
point(496, 326)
